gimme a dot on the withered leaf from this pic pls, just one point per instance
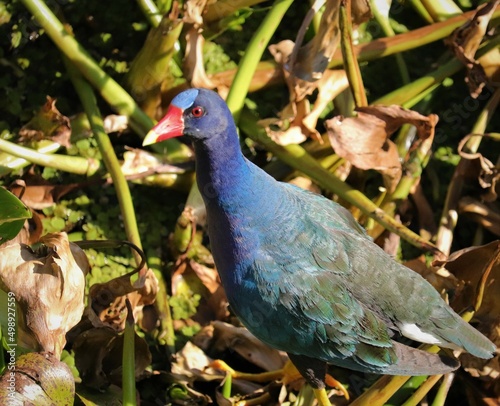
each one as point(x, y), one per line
point(220, 336)
point(107, 306)
point(364, 140)
point(39, 379)
point(297, 121)
point(465, 41)
point(487, 214)
point(98, 356)
point(310, 61)
point(487, 174)
point(49, 286)
point(48, 123)
point(468, 265)
point(194, 68)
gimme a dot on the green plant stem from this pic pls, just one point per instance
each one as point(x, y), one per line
point(71, 164)
point(252, 56)
point(128, 360)
point(443, 390)
point(420, 393)
point(384, 23)
point(226, 387)
point(150, 11)
point(109, 89)
point(441, 9)
point(381, 391)
point(412, 90)
point(351, 65)
point(8, 162)
point(419, 7)
point(89, 103)
point(409, 40)
point(224, 8)
point(298, 158)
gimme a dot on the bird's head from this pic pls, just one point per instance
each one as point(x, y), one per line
point(197, 113)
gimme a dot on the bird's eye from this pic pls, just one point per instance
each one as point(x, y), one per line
point(197, 111)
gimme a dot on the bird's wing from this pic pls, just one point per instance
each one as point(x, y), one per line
point(314, 303)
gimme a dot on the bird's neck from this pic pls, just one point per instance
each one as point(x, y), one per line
point(223, 173)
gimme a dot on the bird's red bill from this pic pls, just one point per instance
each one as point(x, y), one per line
point(170, 126)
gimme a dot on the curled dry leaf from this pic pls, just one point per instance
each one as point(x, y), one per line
point(443, 282)
point(194, 68)
point(193, 10)
point(143, 167)
point(107, 306)
point(310, 61)
point(465, 41)
point(468, 265)
point(37, 193)
point(38, 379)
point(364, 140)
point(297, 121)
point(486, 214)
point(220, 337)
point(48, 123)
point(98, 356)
point(487, 175)
point(49, 286)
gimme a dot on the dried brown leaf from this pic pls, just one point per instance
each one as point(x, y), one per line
point(486, 214)
point(39, 379)
point(37, 193)
point(48, 123)
point(465, 41)
point(310, 61)
point(364, 140)
point(220, 336)
point(49, 286)
point(194, 68)
point(193, 10)
point(468, 265)
point(442, 281)
point(98, 356)
point(107, 306)
point(487, 173)
point(297, 121)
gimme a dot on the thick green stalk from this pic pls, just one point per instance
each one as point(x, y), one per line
point(109, 157)
point(217, 10)
point(351, 65)
point(444, 388)
point(298, 158)
point(423, 390)
point(109, 89)
point(71, 164)
point(413, 89)
point(402, 95)
point(441, 9)
point(381, 391)
point(383, 20)
point(252, 56)
point(409, 40)
point(150, 11)
point(129, 396)
point(420, 9)
point(8, 162)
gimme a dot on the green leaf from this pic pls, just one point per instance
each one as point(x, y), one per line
point(13, 214)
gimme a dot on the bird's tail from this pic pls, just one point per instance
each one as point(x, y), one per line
point(412, 361)
point(463, 335)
